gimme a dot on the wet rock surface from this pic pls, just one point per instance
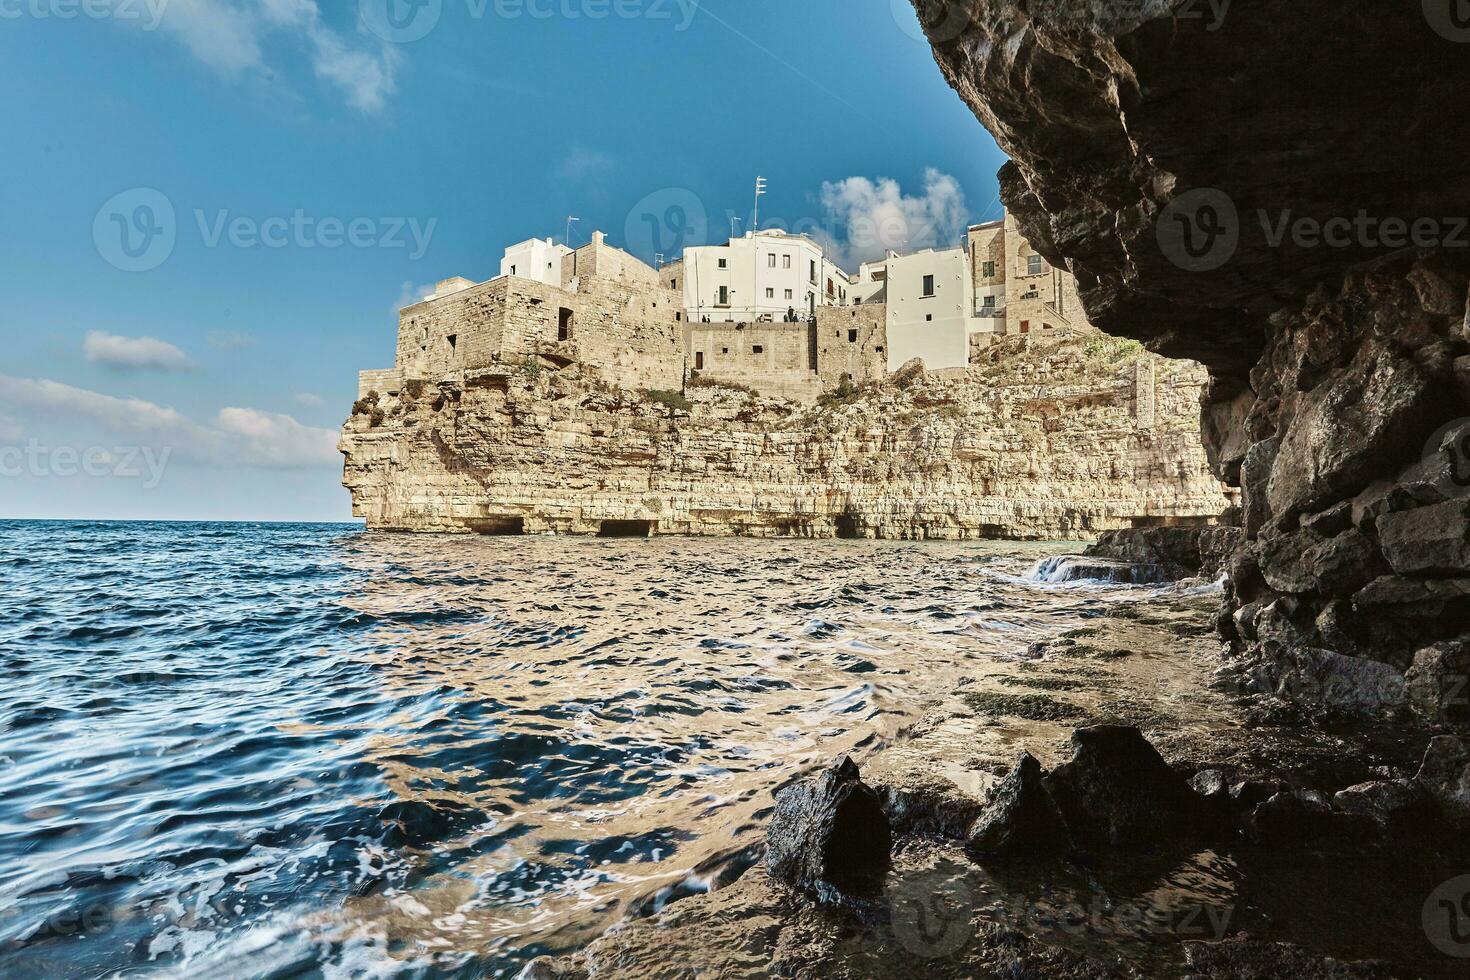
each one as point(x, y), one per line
point(1179, 552)
point(829, 834)
point(1210, 903)
point(1117, 790)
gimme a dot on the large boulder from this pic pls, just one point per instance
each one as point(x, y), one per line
point(1445, 776)
point(1117, 790)
point(1020, 817)
point(829, 833)
point(1439, 683)
point(1428, 539)
point(1179, 552)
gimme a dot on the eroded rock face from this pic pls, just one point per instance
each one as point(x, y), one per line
point(830, 833)
point(1204, 174)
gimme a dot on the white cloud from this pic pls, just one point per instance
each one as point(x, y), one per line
point(246, 37)
point(309, 400)
point(239, 436)
point(872, 216)
point(277, 441)
point(11, 431)
point(412, 294)
point(133, 352)
point(582, 164)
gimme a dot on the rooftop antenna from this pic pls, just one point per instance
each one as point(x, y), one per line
point(760, 190)
point(658, 260)
point(570, 221)
point(733, 222)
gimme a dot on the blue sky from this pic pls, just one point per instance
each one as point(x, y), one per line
point(321, 163)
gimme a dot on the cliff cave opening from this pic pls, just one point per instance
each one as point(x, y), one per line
point(497, 526)
point(625, 529)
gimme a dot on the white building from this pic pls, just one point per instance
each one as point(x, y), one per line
point(930, 308)
point(868, 285)
point(764, 275)
point(536, 258)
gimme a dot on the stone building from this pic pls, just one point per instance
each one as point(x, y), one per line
point(725, 312)
point(606, 309)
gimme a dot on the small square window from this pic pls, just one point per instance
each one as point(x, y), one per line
point(724, 350)
point(770, 292)
point(928, 317)
point(724, 263)
point(785, 261)
point(987, 270)
point(788, 294)
point(757, 349)
point(852, 336)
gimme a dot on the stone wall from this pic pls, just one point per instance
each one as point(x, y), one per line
point(852, 344)
point(1039, 442)
point(778, 359)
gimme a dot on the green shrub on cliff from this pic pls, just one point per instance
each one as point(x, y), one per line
point(673, 400)
point(845, 392)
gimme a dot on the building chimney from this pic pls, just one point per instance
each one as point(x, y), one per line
point(598, 238)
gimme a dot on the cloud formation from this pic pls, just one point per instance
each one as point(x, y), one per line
point(135, 353)
point(237, 437)
point(582, 164)
point(247, 37)
point(309, 400)
point(871, 216)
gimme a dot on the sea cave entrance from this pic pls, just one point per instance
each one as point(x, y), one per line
point(625, 529)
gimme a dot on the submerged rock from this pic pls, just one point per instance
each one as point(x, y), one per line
point(1118, 790)
point(1081, 568)
point(1179, 552)
point(830, 832)
point(1020, 816)
point(1242, 958)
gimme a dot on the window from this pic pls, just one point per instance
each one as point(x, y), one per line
point(928, 286)
point(987, 269)
point(453, 341)
point(770, 292)
point(831, 288)
point(724, 263)
point(757, 349)
point(724, 350)
point(673, 284)
point(928, 317)
point(814, 272)
point(724, 297)
point(771, 261)
point(564, 324)
point(1025, 326)
point(788, 294)
point(1034, 265)
point(785, 261)
point(852, 336)
point(699, 360)
point(512, 270)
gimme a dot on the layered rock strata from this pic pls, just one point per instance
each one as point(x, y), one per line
point(1228, 185)
point(1039, 441)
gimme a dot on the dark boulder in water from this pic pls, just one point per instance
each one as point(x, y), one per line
point(1117, 790)
point(830, 832)
point(1020, 816)
point(1080, 568)
point(1180, 552)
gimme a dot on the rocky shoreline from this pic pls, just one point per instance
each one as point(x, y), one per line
point(1097, 806)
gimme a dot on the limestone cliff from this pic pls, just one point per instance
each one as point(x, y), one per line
point(1061, 438)
point(1277, 190)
